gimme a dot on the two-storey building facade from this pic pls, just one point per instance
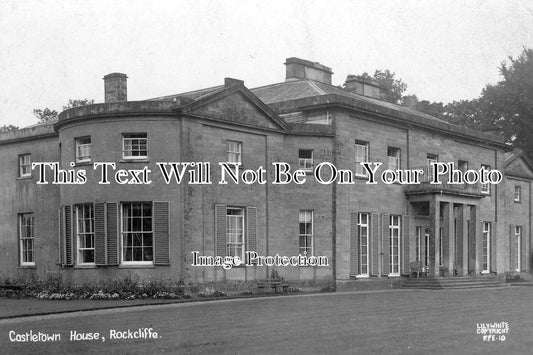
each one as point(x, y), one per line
point(106, 226)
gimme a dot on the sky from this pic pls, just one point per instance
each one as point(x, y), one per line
point(53, 51)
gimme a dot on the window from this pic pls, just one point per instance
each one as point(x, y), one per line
point(137, 233)
point(25, 165)
point(462, 165)
point(363, 225)
point(234, 152)
point(83, 149)
point(432, 158)
point(517, 247)
point(26, 238)
point(394, 235)
point(517, 194)
point(485, 248)
point(418, 241)
point(306, 232)
point(305, 159)
point(485, 188)
point(134, 146)
point(361, 156)
point(85, 218)
point(393, 155)
point(235, 232)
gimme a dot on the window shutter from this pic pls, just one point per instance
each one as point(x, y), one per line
point(61, 236)
point(161, 237)
point(493, 247)
point(112, 233)
point(220, 230)
point(405, 245)
point(99, 234)
point(251, 228)
point(523, 247)
point(385, 243)
point(68, 235)
point(375, 243)
point(354, 244)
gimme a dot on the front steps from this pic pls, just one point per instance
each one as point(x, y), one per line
point(441, 283)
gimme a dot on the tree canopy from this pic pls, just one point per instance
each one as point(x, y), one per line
point(46, 114)
point(8, 128)
point(505, 108)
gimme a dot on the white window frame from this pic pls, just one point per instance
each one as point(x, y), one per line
point(233, 242)
point(306, 216)
point(234, 152)
point(431, 158)
point(394, 241)
point(518, 241)
point(441, 249)
point(426, 247)
point(485, 247)
point(25, 165)
point(129, 140)
point(462, 165)
point(363, 225)
point(83, 149)
point(306, 164)
point(394, 159)
point(361, 156)
point(124, 234)
point(26, 236)
point(418, 241)
point(485, 188)
point(517, 194)
point(83, 233)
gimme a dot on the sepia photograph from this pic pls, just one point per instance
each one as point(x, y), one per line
point(266, 177)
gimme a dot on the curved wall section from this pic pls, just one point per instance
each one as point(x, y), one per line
point(114, 229)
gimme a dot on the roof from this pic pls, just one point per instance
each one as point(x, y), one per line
point(299, 89)
point(294, 95)
point(194, 95)
point(510, 157)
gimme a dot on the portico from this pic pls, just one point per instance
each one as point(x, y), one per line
point(446, 236)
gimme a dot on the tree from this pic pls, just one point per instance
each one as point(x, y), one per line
point(6, 128)
point(392, 87)
point(46, 114)
point(77, 103)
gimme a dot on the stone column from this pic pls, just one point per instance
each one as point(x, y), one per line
point(434, 215)
point(464, 233)
point(448, 224)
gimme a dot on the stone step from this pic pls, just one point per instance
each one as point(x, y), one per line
point(461, 285)
point(453, 282)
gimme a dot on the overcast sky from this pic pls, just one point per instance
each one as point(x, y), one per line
point(55, 50)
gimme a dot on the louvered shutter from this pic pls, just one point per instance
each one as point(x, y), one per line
point(161, 237)
point(493, 247)
point(61, 236)
point(251, 228)
point(375, 243)
point(385, 243)
point(99, 234)
point(354, 244)
point(112, 233)
point(220, 230)
point(69, 258)
point(523, 248)
point(405, 245)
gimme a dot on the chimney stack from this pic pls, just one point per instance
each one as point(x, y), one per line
point(116, 87)
point(362, 86)
point(297, 69)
